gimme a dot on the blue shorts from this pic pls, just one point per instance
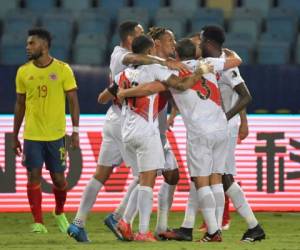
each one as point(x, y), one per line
point(52, 153)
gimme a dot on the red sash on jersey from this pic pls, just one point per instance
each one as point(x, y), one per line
point(205, 89)
point(139, 105)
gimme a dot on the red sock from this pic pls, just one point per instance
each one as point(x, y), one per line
point(60, 199)
point(226, 214)
point(34, 195)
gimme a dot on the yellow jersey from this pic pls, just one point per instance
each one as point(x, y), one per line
point(45, 87)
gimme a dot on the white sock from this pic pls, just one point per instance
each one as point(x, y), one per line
point(219, 195)
point(145, 202)
point(165, 200)
point(132, 206)
point(240, 203)
point(208, 208)
point(88, 199)
point(191, 208)
point(119, 211)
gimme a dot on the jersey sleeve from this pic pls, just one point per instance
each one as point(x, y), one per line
point(218, 63)
point(20, 86)
point(233, 77)
point(69, 81)
point(162, 73)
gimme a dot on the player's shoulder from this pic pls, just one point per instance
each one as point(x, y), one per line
point(25, 65)
point(60, 63)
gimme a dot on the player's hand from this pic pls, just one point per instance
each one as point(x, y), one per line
point(243, 131)
point(172, 64)
point(74, 140)
point(205, 68)
point(121, 95)
point(170, 122)
point(16, 145)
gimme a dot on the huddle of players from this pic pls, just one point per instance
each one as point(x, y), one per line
point(144, 79)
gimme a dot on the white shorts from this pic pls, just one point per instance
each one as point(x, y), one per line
point(112, 152)
point(206, 154)
point(230, 167)
point(145, 152)
point(170, 159)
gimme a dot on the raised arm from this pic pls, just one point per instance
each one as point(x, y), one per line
point(232, 59)
point(244, 99)
point(18, 119)
point(74, 111)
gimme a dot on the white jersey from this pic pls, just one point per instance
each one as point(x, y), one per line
point(140, 113)
point(116, 66)
point(228, 80)
point(200, 106)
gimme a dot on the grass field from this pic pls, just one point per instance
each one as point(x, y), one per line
point(282, 229)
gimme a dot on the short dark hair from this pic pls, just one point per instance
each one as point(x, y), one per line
point(213, 33)
point(186, 49)
point(194, 34)
point(141, 44)
point(41, 33)
point(126, 29)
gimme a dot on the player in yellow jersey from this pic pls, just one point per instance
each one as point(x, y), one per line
point(42, 85)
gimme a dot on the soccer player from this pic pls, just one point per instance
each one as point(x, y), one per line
point(112, 151)
point(41, 86)
point(140, 130)
point(204, 118)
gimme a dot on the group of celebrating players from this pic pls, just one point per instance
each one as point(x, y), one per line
point(201, 81)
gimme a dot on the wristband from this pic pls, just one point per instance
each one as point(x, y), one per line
point(75, 129)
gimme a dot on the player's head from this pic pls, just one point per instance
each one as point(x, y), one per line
point(212, 39)
point(38, 43)
point(164, 41)
point(143, 45)
point(195, 38)
point(186, 49)
point(129, 30)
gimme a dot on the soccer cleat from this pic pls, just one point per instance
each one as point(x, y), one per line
point(78, 233)
point(125, 230)
point(254, 234)
point(215, 237)
point(38, 228)
point(180, 234)
point(146, 237)
point(61, 221)
point(111, 222)
point(225, 224)
point(203, 228)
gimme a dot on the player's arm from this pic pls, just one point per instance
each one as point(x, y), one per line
point(244, 99)
point(18, 119)
point(74, 111)
point(141, 90)
point(108, 94)
point(232, 59)
point(139, 59)
point(243, 129)
point(189, 81)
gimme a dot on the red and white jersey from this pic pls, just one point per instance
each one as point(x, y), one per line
point(139, 114)
point(200, 106)
point(228, 80)
point(116, 66)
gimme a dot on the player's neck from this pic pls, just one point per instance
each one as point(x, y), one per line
point(216, 53)
point(43, 61)
point(126, 45)
point(161, 54)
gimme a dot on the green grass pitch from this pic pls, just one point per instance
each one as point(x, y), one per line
point(282, 229)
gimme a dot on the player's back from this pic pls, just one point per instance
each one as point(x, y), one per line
point(200, 106)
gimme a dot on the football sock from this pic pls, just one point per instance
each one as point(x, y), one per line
point(60, 198)
point(132, 206)
point(119, 212)
point(165, 200)
point(208, 208)
point(219, 195)
point(226, 214)
point(145, 202)
point(87, 201)
point(240, 203)
point(34, 195)
point(191, 208)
